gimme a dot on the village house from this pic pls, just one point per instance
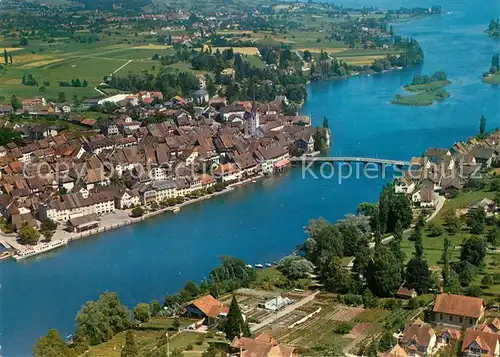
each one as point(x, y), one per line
point(404, 185)
point(437, 155)
point(273, 158)
point(126, 198)
point(83, 223)
point(261, 346)
point(458, 310)
point(405, 293)
point(227, 172)
point(200, 97)
point(483, 155)
point(207, 308)
point(448, 334)
point(480, 344)
point(396, 351)
point(418, 338)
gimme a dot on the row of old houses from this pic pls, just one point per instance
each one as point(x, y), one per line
point(454, 318)
point(62, 176)
point(445, 171)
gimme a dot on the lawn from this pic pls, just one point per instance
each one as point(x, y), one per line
point(192, 343)
point(254, 61)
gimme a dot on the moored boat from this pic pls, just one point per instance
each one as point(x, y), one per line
point(38, 249)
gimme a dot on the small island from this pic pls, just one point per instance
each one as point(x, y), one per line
point(494, 28)
point(425, 90)
point(493, 75)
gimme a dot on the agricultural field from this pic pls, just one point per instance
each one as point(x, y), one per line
point(318, 322)
point(63, 60)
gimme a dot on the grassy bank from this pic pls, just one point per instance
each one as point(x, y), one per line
point(492, 79)
point(423, 94)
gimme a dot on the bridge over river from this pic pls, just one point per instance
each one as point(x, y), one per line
point(348, 159)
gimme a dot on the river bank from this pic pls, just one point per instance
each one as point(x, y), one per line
point(122, 218)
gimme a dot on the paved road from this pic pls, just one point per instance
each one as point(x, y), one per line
point(282, 313)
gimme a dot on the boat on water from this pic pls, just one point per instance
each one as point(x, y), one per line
point(259, 266)
point(176, 209)
point(32, 251)
point(269, 265)
point(249, 266)
point(253, 181)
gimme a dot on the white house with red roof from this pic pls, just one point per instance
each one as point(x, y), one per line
point(208, 308)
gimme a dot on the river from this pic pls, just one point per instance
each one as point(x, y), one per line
point(264, 221)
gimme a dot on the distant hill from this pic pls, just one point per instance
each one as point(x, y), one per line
point(108, 4)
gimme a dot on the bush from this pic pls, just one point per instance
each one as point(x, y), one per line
point(189, 347)
point(344, 328)
point(200, 339)
point(486, 282)
point(434, 230)
point(352, 299)
point(137, 212)
point(392, 304)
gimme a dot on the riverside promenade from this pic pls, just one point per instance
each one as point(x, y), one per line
point(121, 218)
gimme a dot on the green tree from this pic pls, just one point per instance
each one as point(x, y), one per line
point(295, 267)
point(51, 345)
point(394, 207)
point(383, 273)
point(130, 348)
point(486, 281)
point(473, 251)
point(9, 136)
point(418, 275)
point(386, 342)
point(137, 212)
point(10, 58)
point(15, 103)
point(154, 308)
point(452, 223)
point(48, 224)
point(325, 122)
point(482, 125)
point(47, 234)
point(235, 325)
point(98, 321)
point(335, 277)
point(476, 220)
point(493, 236)
point(176, 324)
point(141, 312)
point(211, 88)
point(28, 235)
point(446, 263)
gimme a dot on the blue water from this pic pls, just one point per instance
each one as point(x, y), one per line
point(264, 221)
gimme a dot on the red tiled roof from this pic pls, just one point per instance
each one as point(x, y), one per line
point(485, 340)
point(459, 305)
point(210, 306)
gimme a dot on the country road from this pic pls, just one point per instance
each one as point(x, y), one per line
point(283, 312)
